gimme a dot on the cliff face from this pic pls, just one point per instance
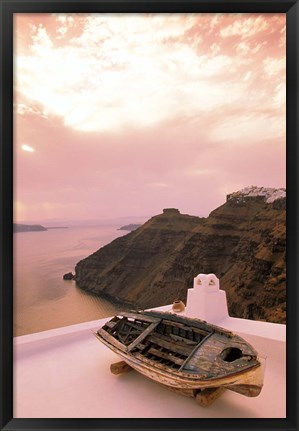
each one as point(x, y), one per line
point(242, 242)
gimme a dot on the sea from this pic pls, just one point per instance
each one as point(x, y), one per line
point(42, 299)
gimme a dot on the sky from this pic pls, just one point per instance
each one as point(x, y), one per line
point(119, 115)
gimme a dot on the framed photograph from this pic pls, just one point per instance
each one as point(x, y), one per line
point(149, 191)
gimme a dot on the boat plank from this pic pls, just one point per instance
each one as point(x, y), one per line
point(208, 359)
point(165, 355)
point(194, 351)
point(185, 340)
point(188, 321)
point(144, 334)
point(139, 316)
point(151, 362)
point(110, 325)
point(141, 346)
point(135, 326)
point(102, 333)
point(204, 357)
point(235, 339)
point(186, 328)
point(115, 323)
point(174, 346)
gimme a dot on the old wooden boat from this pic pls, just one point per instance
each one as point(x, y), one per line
point(183, 353)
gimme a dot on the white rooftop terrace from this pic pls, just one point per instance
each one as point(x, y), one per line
point(65, 372)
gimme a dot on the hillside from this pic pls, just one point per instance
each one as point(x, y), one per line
point(242, 242)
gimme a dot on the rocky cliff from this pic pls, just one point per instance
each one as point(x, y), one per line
point(242, 242)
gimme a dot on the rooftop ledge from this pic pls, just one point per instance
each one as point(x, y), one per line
point(65, 372)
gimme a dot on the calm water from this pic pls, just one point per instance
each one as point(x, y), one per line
point(42, 299)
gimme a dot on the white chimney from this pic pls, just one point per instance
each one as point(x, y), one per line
point(206, 301)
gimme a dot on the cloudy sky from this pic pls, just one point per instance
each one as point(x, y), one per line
point(119, 115)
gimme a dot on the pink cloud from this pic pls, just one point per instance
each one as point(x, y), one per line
point(128, 115)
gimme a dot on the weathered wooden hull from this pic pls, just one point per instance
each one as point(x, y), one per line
point(247, 383)
point(197, 365)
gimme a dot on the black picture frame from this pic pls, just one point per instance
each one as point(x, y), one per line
point(8, 8)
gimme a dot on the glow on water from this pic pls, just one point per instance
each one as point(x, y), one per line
point(42, 299)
